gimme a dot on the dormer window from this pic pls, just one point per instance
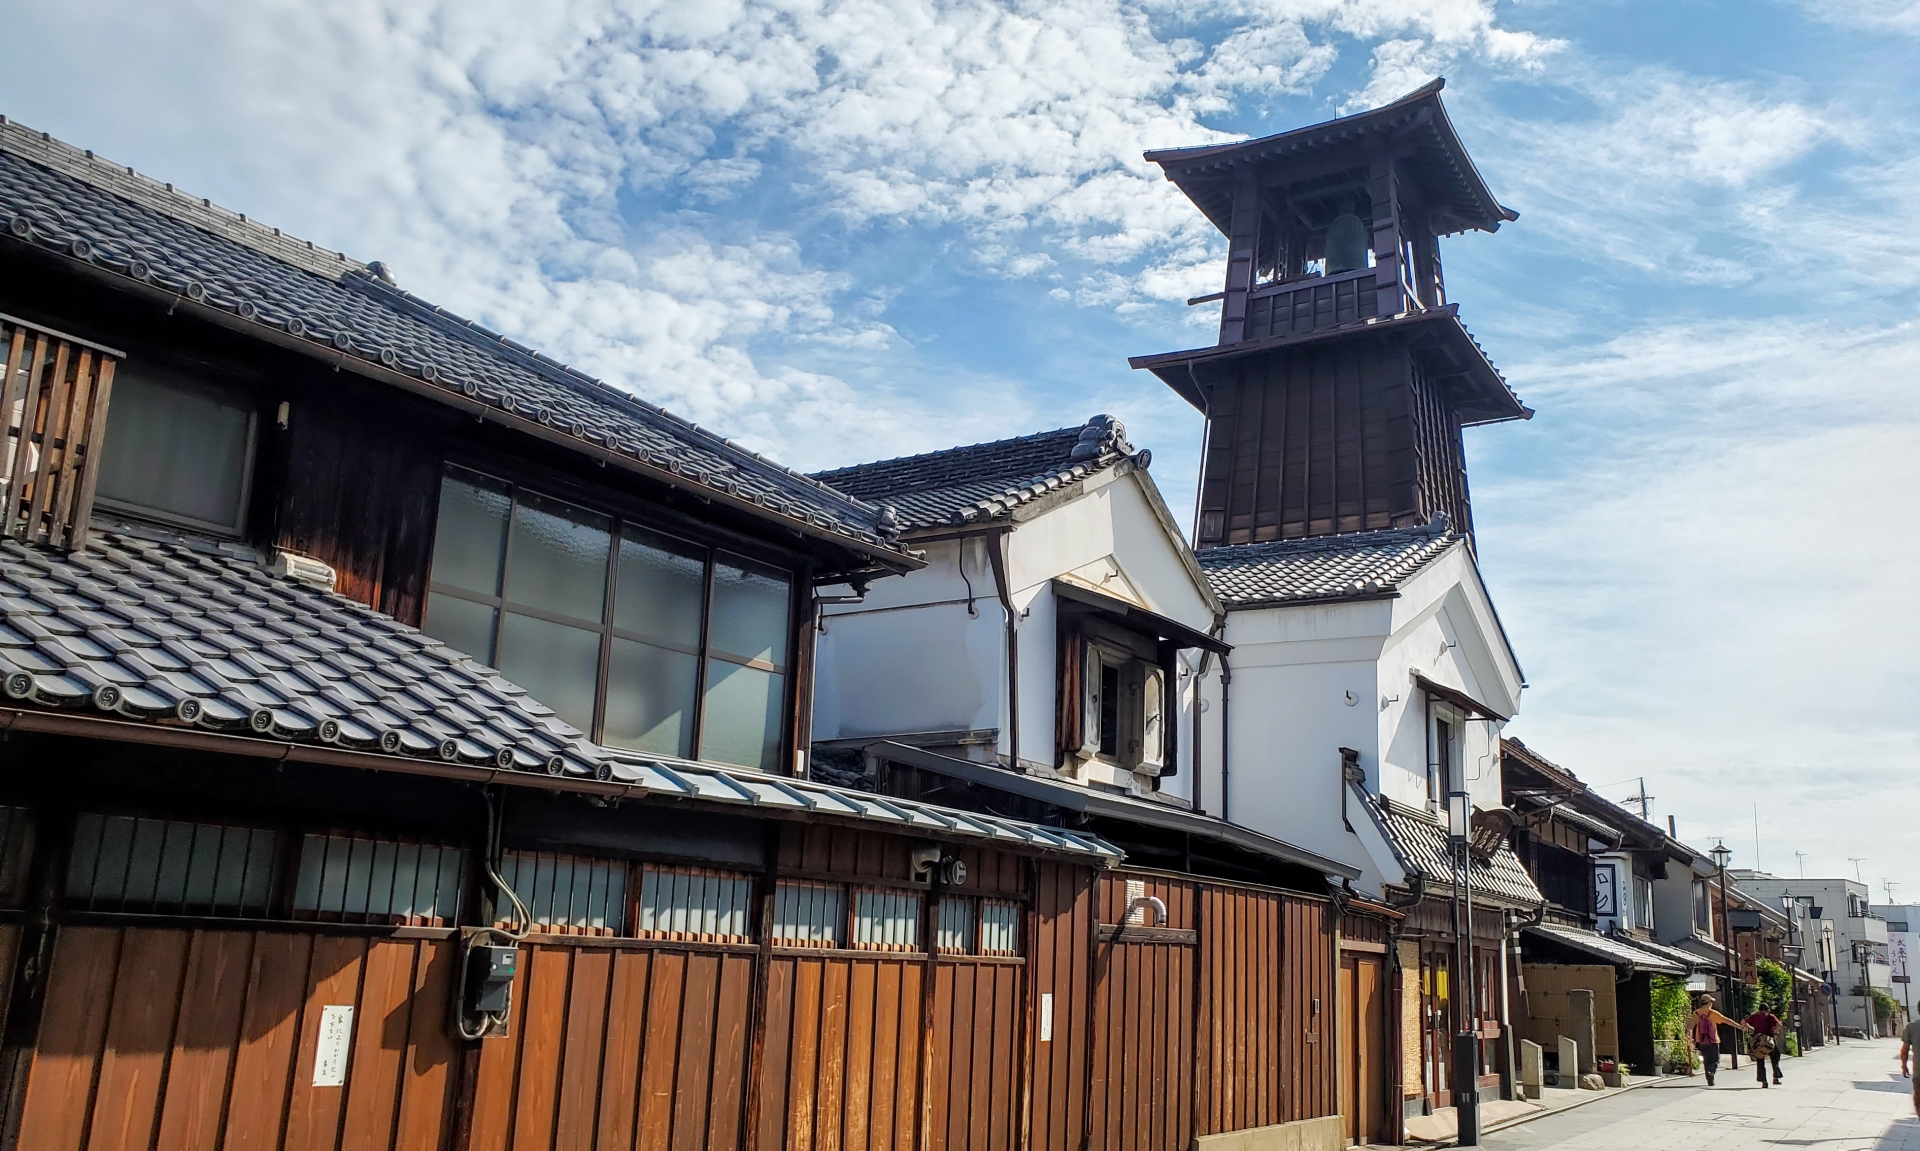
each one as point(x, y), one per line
point(1123, 708)
point(178, 451)
point(645, 641)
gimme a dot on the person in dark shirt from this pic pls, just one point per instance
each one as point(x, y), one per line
point(1765, 1028)
point(1703, 1029)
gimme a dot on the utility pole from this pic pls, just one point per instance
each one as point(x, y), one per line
point(1644, 800)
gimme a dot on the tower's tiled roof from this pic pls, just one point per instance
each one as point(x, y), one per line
point(1352, 566)
point(983, 482)
point(114, 221)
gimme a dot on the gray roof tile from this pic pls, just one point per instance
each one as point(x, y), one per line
point(1352, 566)
point(1420, 840)
point(424, 699)
point(100, 214)
point(984, 482)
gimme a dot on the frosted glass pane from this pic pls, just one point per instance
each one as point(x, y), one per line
point(749, 613)
point(659, 592)
point(463, 625)
point(470, 533)
point(650, 694)
point(557, 664)
point(558, 557)
point(742, 720)
point(175, 447)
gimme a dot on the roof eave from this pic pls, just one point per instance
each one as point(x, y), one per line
point(899, 562)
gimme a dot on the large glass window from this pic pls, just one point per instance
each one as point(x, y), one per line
point(177, 450)
point(649, 642)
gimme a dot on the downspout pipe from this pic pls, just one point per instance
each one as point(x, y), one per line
point(1226, 739)
point(996, 554)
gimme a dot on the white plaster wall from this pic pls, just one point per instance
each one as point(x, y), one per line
point(911, 657)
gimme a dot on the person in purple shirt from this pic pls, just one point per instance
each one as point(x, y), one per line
point(1703, 1029)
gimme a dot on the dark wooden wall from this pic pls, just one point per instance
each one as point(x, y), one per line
point(189, 1038)
point(1343, 438)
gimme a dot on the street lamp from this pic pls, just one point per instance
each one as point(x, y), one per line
point(1466, 1040)
point(1721, 854)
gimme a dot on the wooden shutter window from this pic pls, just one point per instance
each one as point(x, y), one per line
point(54, 400)
point(1067, 734)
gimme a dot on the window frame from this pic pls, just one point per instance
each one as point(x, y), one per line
point(1133, 673)
point(171, 377)
point(715, 547)
point(1444, 757)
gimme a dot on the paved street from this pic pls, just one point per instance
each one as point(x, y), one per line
point(1849, 1098)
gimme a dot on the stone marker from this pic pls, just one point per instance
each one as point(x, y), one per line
point(1569, 1062)
point(1580, 1009)
point(1532, 1069)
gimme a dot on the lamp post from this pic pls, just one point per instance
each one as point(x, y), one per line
point(1721, 854)
point(1466, 1040)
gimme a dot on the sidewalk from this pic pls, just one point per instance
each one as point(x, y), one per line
point(1440, 1128)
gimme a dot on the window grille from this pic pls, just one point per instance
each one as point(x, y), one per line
point(169, 867)
point(565, 894)
point(697, 904)
point(957, 927)
point(808, 914)
point(359, 879)
point(999, 927)
point(886, 919)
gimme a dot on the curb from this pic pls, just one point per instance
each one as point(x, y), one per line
point(1594, 1097)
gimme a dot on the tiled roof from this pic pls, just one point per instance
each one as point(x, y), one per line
point(203, 639)
point(1421, 842)
point(1351, 566)
point(984, 482)
point(1621, 952)
point(107, 217)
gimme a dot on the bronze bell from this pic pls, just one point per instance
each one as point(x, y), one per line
point(1347, 240)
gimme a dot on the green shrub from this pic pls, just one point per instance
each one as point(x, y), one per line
point(1791, 1044)
point(1672, 1004)
point(1776, 987)
point(1739, 1000)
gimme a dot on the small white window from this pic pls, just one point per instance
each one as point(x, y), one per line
point(999, 927)
point(566, 894)
point(808, 914)
point(886, 919)
point(360, 879)
point(957, 931)
point(694, 903)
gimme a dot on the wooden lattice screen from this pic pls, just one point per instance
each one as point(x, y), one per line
point(54, 399)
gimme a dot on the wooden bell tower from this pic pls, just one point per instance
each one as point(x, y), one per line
point(1342, 378)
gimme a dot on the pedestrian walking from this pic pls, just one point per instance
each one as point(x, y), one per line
point(1764, 1026)
point(1704, 1031)
point(1909, 1040)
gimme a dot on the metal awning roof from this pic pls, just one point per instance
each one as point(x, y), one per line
point(1076, 798)
point(1456, 697)
point(1140, 618)
point(1619, 952)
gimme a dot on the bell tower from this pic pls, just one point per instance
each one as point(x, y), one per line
point(1336, 394)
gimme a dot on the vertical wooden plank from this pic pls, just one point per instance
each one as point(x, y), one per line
point(146, 1005)
point(53, 447)
point(269, 1038)
point(625, 1038)
point(73, 1029)
point(732, 1020)
point(333, 978)
point(804, 1054)
point(693, 1088)
point(74, 436)
point(90, 474)
point(426, 1100)
point(946, 1053)
point(211, 1009)
point(380, 1026)
point(660, 1054)
point(776, 1077)
point(832, 1067)
point(581, 1062)
point(537, 1093)
point(882, 1077)
point(23, 443)
point(913, 1022)
point(1003, 1029)
point(859, 1098)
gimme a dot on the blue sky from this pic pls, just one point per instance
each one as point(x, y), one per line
point(845, 229)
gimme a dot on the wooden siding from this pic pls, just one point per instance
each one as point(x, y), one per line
point(619, 1047)
point(1143, 1022)
point(176, 1037)
point(1307, 1049)
point(1317, 304)
point(1060, 956)
point(1240, 1003)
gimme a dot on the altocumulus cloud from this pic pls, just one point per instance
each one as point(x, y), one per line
point(757, 213)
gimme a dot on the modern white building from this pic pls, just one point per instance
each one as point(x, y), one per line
point(1860, 938)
